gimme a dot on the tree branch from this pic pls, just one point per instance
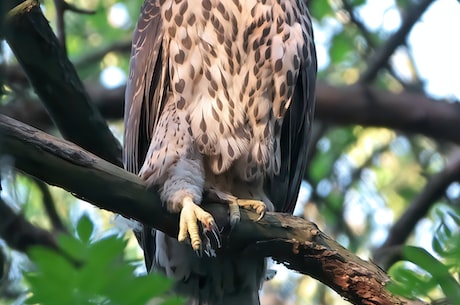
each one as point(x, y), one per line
point(356, 104)
point(380, 59)
point(20, 234)
point(290, 240)
point(56, 82)
point(434, 189)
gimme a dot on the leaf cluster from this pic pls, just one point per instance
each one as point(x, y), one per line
point(92, 272)
point(426, 272)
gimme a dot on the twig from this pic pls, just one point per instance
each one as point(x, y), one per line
point(50, 206)
point(72, 8)
point(96, 56)
point(380, 58)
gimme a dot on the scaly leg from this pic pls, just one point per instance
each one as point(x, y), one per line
point(188, 225)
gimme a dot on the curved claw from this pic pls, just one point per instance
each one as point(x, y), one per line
point(216, 234)
point(194, 219)
point(261, 215)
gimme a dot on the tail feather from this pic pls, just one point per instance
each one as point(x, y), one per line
point(222, 280)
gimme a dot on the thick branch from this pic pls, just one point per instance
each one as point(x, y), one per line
point(405, 111)
point(56, 82)
point(290, 240)
point(362, 105)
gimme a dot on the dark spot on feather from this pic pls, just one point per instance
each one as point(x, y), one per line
point(286, 36)
point(211, 92)
point(296, 62)
point(267, 131)
point(266, 31)
point(168, 14)
point(278, 65)
point(223, 81)
point(230, 151)
point(251, 101)
point(304, 51)
point(260, 21)
point(180, 85)
point(207, 74)
point(257, 56)
point(282, 89)
point(187, 42)
point(289, 78)
point(220, 38)
point(206, 4)
point(268, 53)
point(219, 104)
point(214, 84)
point(179, 58)
point(191, 19)
point(219, 163)
point(204, 139)
point(215, 115)
point(221, 8)
point(258, 84)
point(183, 7)
point(180, 103)
point(178, 20)
point(172, 31)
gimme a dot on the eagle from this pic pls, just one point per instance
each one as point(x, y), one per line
point(219, 106)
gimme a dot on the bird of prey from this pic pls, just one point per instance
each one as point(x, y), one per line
point(219, 106)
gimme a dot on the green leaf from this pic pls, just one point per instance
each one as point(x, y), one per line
point(356, 3)
point(340, 48)
point(85, 228)
point(321, 9)
point(437, 269)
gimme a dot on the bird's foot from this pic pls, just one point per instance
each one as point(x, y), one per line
point(190, 215)
point(249, 204)
point(256, 205)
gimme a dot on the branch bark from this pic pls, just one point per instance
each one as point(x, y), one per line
point(293, 241)
point(55, 80)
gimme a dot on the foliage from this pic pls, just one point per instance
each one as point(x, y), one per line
point(91, 272)
point(426, 272)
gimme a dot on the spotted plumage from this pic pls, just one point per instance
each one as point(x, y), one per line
point(219, 101)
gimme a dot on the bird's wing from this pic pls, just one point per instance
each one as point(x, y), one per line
point(146, 86)
point(145, 91)
point(283, 188)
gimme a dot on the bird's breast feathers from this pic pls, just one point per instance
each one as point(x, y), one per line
point(233, 67)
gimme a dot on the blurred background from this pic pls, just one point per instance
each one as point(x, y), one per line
point(384, 161)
